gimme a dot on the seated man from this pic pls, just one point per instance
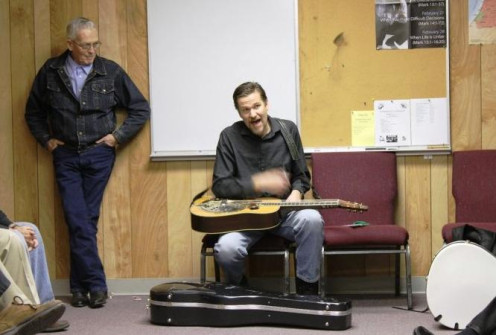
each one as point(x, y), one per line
point(261, 156)
point(30, 238)
point(20, 311)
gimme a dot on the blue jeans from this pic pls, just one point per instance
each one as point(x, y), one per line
point(305, 227)
point(39, 267)
point(82, 178)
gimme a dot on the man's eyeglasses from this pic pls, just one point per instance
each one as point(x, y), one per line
point(88, 46)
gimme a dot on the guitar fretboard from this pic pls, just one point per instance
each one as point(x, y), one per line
point(302, 203)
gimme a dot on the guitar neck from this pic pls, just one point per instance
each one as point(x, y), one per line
point(309, 203)
point(230, 205)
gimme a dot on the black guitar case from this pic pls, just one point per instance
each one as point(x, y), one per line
point(216, 304)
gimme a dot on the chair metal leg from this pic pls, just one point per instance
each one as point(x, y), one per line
point(216, 270)
point(409, 297)
point(286, 272)
point(397, 270)
point(203, 266)
point(322, 274)
point(295, 266)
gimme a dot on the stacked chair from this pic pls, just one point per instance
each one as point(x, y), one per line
point(474, 190)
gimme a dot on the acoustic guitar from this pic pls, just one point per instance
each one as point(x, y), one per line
point(213, 215)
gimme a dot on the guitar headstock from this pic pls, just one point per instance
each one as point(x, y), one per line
point(353, 206)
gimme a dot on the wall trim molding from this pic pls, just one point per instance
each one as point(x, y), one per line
point(342, 285)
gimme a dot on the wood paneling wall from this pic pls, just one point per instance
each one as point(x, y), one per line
point(144, 226)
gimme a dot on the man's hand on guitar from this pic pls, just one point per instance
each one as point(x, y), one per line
point(274, 181)
point(295, 196)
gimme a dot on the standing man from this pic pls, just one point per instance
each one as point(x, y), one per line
point(261, 156)
point(71, 112)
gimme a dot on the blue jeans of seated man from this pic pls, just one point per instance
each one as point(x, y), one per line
point(305, 227)
point(82, 178)
point(39, 267)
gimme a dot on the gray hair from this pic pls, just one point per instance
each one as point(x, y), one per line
point(76, 25)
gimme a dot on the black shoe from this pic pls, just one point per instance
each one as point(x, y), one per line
point(305, 288)
point(421, 331)
point(98, 299)
point(79, 299)
point(243, 282)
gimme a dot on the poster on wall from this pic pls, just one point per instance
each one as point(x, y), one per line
point(392, 123)
point(410, 24)
point(429, 121)
point(416, 122)
point(482, 21)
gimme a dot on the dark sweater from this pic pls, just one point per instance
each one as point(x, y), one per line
point(4, 220)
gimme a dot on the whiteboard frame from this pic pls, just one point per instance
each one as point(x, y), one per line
point(160, 129)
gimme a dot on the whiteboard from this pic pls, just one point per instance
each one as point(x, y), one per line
point(200, 51)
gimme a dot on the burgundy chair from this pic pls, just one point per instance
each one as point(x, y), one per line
point(474, 189)
point(368, 178)
point(269, 245)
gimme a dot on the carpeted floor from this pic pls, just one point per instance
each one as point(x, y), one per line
point(125, 315)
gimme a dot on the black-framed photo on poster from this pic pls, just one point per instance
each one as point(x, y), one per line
point(410, 24)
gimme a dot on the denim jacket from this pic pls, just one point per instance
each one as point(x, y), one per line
point(53, 111)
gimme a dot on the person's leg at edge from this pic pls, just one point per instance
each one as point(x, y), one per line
point(18, 314)
point(15, 260)
point(483, 323)
point(39, 266)
point(11, 289)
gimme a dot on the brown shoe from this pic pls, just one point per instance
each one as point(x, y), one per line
point(25, 319)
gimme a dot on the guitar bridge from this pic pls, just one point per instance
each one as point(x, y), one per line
point(253, 206)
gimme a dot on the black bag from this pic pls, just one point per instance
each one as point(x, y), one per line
point(216, 304)
point(485, 238)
